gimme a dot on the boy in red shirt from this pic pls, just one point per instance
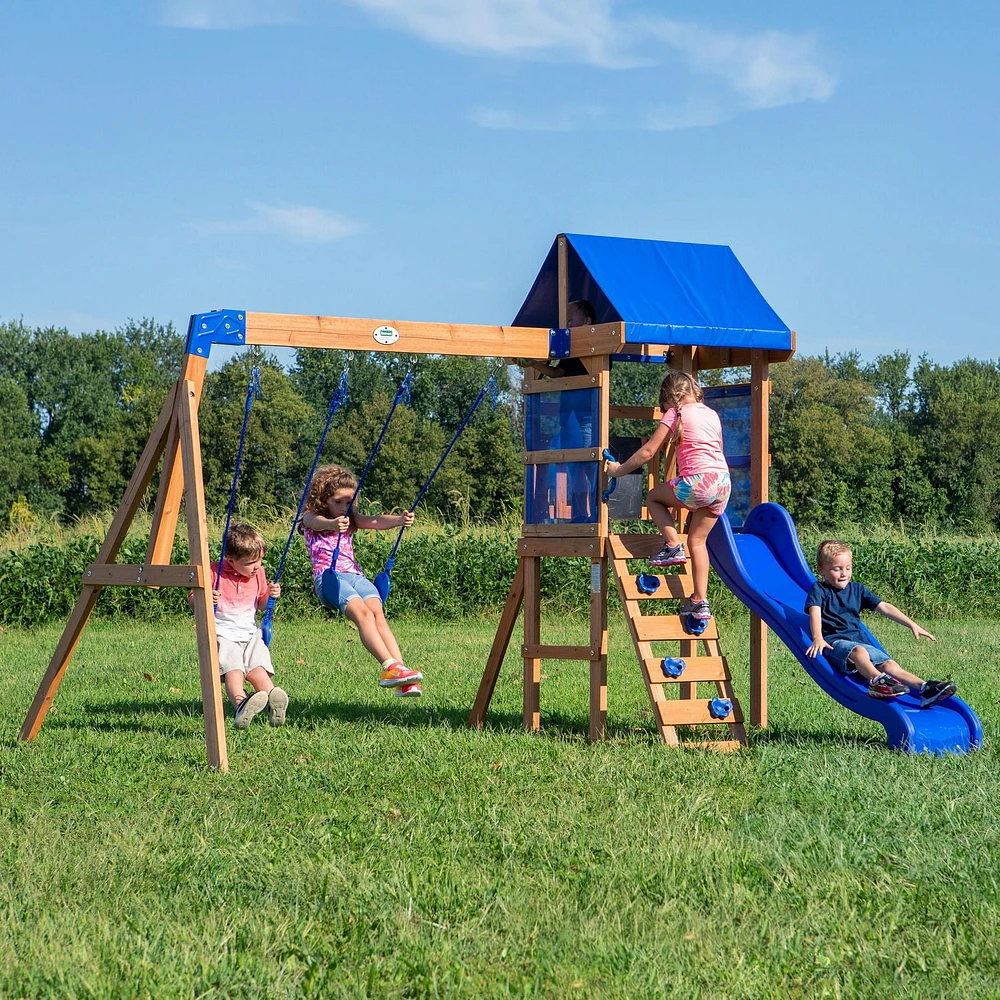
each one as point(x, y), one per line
point(241, 591)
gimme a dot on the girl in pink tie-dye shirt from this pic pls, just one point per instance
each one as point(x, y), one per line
point(329, 521)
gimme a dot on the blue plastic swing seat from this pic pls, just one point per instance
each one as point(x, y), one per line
point(329, 590)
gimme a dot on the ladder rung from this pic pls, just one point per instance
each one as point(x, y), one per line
point(694, 712)
point(654, 628)
point(635, 546)
point(539, 652)
point(721, 746)
point(671, 587)
point(697, 668)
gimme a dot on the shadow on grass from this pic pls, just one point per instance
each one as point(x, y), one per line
point(144, 716)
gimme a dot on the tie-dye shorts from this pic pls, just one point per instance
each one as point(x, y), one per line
point(704, 490)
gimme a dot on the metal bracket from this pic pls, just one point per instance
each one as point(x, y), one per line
point(221, 326)
point(559, 342)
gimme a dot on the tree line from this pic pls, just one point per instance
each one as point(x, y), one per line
point(889, 441)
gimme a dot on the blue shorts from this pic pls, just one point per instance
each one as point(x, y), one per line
point(842, 648)
point(352, 585)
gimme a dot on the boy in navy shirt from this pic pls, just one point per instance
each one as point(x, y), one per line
point(834, 607)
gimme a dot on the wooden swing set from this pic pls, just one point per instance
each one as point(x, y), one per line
point(175, 442)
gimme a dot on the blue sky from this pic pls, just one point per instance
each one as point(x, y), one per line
point(413, 159)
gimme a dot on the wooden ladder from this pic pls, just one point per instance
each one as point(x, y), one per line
point(708, 667)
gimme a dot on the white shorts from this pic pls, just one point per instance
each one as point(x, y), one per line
point(244, 656)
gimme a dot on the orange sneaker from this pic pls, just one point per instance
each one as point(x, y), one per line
point(396, 675)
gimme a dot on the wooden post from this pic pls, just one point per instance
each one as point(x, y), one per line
point(168, 498)
point(760, 458)
point(204, 615)
point(530, 571)
point(499, 648)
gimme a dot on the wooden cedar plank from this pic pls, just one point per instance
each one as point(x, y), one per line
point(660, 628)
point(694, 712)
point(673, 586)
point(699, 668)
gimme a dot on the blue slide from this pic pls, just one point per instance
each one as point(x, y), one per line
point(764, 567)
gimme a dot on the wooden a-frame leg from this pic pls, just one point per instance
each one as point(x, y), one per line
point(498, 650)
point(133, 497)
point(197, 526)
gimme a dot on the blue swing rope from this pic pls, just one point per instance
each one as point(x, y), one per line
point(402, 392)
point(338, 400)
point(490, 386)
point(253, 392)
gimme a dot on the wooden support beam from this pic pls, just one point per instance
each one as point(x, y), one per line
point(568, 547)
point(204, 615)
point(560, 456)
point(459, 339)
point(168, 498)
point(532, 635)
point(498, 650)
point(121, 574)
point(549, 652)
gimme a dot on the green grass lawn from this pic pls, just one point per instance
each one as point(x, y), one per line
point(376, 847)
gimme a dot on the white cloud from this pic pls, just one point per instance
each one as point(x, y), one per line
point(764, 70)
point(580, 30)
point(301, 223)
point(225, 15)
point(756, 70)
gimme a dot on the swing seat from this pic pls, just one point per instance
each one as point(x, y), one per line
point(328, 591)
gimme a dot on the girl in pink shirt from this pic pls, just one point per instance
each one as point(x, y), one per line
point(702, 483)
point(328, 524)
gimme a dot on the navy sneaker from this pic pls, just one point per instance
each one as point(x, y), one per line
point(934, 691)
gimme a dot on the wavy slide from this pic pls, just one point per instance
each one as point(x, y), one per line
point(764, 567)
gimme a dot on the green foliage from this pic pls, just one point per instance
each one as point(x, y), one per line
point(447, 573)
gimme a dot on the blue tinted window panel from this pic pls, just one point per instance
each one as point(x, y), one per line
point(561, 493)
point(567, 419)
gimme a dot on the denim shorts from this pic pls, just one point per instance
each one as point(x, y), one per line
point(352, 585)
point(838, 656)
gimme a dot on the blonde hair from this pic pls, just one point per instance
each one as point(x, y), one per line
point(829, 550)
point(325, 482)
point(677, 386)
point(244, 541)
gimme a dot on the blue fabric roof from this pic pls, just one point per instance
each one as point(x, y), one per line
point(665, 293)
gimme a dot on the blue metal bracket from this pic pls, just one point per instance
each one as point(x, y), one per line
point(646, 359)
point(222, 326)
point(559, 342)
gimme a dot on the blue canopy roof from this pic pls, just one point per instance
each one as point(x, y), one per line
point(665, 293)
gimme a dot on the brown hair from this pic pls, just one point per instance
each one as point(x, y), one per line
point(829, 550)
point(325, 482)
point(244, 541)
point(678, 385)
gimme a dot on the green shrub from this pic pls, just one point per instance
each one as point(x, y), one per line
point(446, 573)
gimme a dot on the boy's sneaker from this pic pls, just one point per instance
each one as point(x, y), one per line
point(885, 686)
point(248, 708)
point(934, 691)
point(669, 555)
point(408, 691)
point(696, 609)
point(396, 675)
point(277, 705)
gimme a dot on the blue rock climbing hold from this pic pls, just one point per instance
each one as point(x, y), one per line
point(692, 625)
point(672, 666)
point(719, 708)
point(647, 583)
